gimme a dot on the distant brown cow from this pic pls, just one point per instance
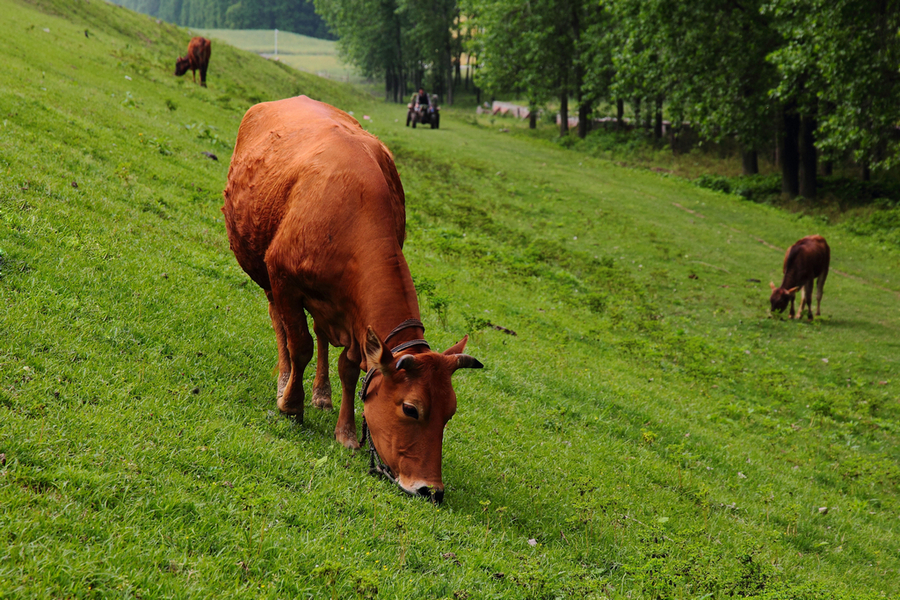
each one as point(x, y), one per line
point(805, 261)
point(315, 215)
point(197, 59)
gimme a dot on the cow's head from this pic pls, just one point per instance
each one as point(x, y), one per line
point(182, 65)
point(781, 297)
point(408, 402)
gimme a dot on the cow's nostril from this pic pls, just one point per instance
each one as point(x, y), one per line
point(435, 496)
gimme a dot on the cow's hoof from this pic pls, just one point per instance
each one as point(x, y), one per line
point(322, 398)
point(291, 403)
point(347, 437)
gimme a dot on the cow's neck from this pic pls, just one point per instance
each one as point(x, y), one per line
point(388, 299)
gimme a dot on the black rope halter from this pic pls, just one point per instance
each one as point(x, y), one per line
point(376, 465)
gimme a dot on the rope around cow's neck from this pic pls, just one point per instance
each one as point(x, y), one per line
point(376, 465)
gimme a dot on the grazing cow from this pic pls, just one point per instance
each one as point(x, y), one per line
point(197, 58)
point(315, 214)
point(805, 261)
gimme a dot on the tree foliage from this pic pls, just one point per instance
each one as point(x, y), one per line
point(823, 76)
point(297, 16)
point(410, 44)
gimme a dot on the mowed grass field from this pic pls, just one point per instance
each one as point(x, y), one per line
point(301, 52)
point(648, 432)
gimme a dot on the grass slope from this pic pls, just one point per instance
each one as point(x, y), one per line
point(648, 433)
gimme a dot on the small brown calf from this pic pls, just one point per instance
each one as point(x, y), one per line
point(197, 59)
point(805, 261)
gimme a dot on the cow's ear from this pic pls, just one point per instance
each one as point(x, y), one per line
point(772, 285)
point(464, 361)
point(793, 290)
point(458, 347)
point(377, 355)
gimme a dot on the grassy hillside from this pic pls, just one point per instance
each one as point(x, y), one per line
point(301, 52)
point(649, 432)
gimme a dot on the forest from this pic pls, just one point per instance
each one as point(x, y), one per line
point(815, 80)
point(297, 16)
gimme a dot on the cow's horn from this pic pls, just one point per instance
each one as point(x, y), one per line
point(407, 362)
point(464, 361)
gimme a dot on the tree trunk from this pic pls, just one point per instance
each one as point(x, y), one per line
point(658, 122)
point(620, 114)
point(790, 153)
point(532, 118)
point(827, 168)
point(584, 118)
point(777, 127)
point(563, 114)
point(637, 112)
point(749, 161)
point(808, 157)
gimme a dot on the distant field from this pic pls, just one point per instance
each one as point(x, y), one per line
point(302, 52)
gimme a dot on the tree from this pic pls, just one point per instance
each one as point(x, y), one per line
point(838, 65)
point(372, 35)
point(540, 48)
point(289, 15)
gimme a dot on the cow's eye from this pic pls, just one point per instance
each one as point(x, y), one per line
point(410, 411)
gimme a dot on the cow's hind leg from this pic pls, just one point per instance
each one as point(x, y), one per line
point(345, 431)
point(806, 299)
point(284, 357)
point(288, 310)
point(819, 285)
point(321, 397)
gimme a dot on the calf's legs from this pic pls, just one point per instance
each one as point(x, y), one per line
point(819, 285)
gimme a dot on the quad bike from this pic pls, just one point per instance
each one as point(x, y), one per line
point(427, 115)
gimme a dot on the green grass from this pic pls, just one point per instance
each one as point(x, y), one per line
point(648, 433)
point(301, 52)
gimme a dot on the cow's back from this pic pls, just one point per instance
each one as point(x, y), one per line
point(808, 258)
point(306, 174)
point(198, 52)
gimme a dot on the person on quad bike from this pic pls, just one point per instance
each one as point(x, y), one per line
point(422, 100)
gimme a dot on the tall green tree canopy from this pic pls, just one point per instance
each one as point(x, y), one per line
point(408, 43)
point(297, 16)
point(820, 76)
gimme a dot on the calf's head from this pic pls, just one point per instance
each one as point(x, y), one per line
point(781, 297)
point(182, 65)
point(408, 403)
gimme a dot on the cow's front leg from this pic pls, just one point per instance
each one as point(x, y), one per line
point(321, 397)
point(289, 311)
point(345, 431)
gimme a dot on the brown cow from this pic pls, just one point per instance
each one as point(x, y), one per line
point(315, 215)
point(805, 261)
point(197, 58)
